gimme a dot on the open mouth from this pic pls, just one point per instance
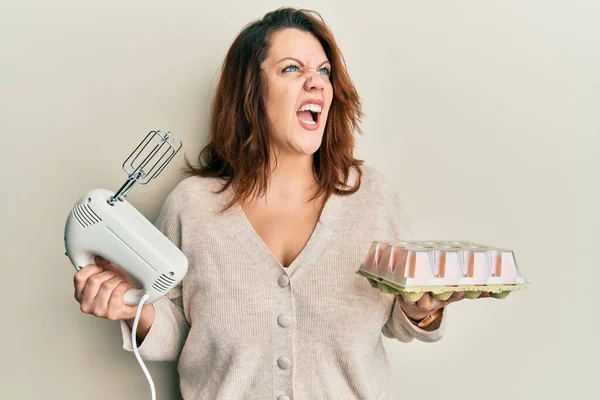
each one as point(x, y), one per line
point(309, 115)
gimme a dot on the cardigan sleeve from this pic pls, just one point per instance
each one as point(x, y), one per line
point(398, 325)
point(170, 328)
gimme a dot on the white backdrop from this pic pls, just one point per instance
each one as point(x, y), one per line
point(484, 114)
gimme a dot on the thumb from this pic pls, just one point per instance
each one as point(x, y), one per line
point(119, 294)
point(129, 310)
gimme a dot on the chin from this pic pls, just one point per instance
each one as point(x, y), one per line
point(309, 146)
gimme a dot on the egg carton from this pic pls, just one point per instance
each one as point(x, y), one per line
point(413, 268)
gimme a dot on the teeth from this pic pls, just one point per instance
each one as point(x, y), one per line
point(311, 122)
point(310, 107)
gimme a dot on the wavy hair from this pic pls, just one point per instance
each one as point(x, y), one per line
point(239, 149)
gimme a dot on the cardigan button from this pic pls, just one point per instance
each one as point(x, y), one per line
point(283, 280)
point(284, 321)
point(284, 362)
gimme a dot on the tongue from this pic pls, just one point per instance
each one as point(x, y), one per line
point(305, 116)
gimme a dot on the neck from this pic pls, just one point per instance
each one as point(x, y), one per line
point(292, 178)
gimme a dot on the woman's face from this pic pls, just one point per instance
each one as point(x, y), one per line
point(298, 91)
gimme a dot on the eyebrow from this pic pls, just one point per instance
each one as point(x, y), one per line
point(300, 62)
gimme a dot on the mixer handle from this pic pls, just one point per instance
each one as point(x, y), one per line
point(82, 259)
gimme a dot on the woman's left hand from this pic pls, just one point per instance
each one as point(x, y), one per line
point(427, 305)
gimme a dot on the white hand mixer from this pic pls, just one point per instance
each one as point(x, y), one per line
point(104, 223)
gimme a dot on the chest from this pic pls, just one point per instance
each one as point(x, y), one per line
point(284, 230)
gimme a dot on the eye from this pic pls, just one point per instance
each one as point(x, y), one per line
point(290, 68)
point(326, 69)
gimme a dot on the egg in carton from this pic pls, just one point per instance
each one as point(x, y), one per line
point(412, 268)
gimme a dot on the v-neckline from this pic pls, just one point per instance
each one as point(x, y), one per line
point(255, 246)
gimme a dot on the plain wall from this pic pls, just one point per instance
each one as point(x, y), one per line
point(484, 114)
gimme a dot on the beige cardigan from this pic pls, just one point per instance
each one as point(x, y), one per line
point(243, 327)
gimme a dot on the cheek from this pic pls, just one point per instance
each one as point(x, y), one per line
point(329, 92)
point(280, 104)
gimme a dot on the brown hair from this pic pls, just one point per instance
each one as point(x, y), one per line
point(239, 147)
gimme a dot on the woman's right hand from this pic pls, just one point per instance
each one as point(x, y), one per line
point(100, 288)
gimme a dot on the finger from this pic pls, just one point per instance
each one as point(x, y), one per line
point(87, 271)
point(484, 294)
point(81, 277)
point(104, 294)
point(426, 302)
point(118, 271)
point(101, 261)
point(90, 291)
point(108, 266)
point(456, 296)
point(117, 309)
point(406, 303)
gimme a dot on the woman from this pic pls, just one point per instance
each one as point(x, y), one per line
point(275, 222)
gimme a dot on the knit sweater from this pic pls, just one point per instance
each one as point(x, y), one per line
point(242, 326)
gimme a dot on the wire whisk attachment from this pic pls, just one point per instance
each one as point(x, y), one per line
point(147, 161)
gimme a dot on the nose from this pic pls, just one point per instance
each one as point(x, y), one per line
point(314, 81)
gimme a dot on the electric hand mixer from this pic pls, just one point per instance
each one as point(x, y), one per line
point(104, 223)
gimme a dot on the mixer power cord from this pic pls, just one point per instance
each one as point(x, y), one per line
point(135, 348)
